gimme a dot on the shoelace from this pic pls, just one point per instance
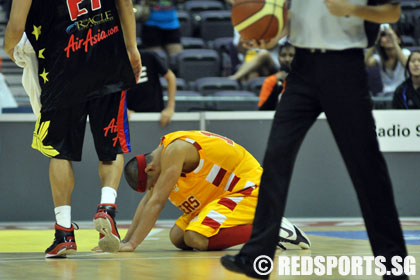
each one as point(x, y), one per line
point(76, 226)
point(281, 246)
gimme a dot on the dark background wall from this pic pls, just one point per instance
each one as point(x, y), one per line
point(320, 186)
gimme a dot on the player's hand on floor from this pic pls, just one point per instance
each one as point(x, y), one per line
point(97, 249)
point(126, 247)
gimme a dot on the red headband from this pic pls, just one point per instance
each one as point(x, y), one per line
point(142, 177)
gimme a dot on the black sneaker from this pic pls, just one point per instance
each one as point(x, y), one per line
point(292, 234)
point(241, 264)
point(104, 222)
point(64, 243)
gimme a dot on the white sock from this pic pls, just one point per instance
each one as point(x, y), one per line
point(63, 215)
point(108, 195)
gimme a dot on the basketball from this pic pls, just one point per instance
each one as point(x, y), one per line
point(259, 19)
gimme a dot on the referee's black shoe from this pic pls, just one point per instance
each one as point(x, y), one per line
point(241, 264)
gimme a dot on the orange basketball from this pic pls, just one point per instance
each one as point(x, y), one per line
point(259, 19)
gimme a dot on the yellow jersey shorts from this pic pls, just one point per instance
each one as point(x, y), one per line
point(221, 213)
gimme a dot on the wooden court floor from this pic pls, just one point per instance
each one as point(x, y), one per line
point(21, 254)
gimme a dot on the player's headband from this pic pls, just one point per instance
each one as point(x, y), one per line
point(142, 177)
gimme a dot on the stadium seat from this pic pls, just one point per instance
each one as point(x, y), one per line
point(414, 48)
point(20, 109)
point(197, 63)
point(13, 79)
point(210, 85)
point(237, 93)
point(3, 17)
point(416, 22)
point(180, 84)
point(9, 67)
point(215, 24)
point(409, 5)
point(196, 6)
point(192, 43)
point(186, 23)
point(187, 101)
point(236, 100)
point(407, 41)
point(255, 85)
point(223, 44)
point(381, 103)
point(184, 93)
point(224, 47)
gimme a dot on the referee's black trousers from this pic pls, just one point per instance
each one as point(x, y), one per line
point(335, 83)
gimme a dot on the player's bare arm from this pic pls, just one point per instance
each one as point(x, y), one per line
point(128, 25)
point(137, 216)
point(171, 163)
point(16, 25)
point(168, 112)
point(385, 13)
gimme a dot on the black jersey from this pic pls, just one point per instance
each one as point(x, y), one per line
point(80, 49)
point(406, 96)
point(147, 95)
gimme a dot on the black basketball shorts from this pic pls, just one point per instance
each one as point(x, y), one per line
point(60, 133)
point(153, 36)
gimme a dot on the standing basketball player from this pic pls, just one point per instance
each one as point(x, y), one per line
point(212, 179)
point(328, 75)
point(83, 65)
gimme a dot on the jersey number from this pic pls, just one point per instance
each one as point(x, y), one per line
point(75, 11)
point(209, 134)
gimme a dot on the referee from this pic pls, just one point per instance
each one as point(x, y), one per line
point(328, 75)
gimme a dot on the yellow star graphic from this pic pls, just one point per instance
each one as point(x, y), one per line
point(41, 131)
point(44, 76)
point(41, 53)
point(37, 31)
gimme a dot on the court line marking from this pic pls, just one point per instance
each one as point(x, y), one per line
point(77, 257)
point(167, 223)
point(153, 232)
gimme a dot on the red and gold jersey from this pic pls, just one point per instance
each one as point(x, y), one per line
point(225, 169)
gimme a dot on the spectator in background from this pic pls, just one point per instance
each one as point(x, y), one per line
point(274, 84)
point(407, 95)
point(147, 95)
point(390, 59)
point(162, 30)
point(252, 63)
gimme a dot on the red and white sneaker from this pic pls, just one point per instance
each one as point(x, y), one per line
point(64, 243)
point(104, 222)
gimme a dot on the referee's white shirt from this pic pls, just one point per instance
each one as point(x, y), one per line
point(312, 26)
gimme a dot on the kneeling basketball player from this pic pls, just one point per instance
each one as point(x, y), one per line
point(212, 179)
